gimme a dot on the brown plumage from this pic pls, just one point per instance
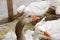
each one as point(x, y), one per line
point(52, 17)
point(18, 30)
point(19, 27)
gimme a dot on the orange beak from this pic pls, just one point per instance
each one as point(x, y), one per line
point(34, 18)
point(46, 34)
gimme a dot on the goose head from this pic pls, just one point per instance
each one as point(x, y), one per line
point(29, 18)
point(41, 32)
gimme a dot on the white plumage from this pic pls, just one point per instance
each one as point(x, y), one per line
point(10, 36)
point(37, 33)
point(35, 8)
point(58, 10)
point(53, 27)
point(54, 3)
point(28, 35)
point(21, 8)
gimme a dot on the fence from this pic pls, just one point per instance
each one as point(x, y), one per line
point(11, 6)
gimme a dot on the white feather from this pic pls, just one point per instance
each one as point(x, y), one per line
point(58, 10)
point(37, 8)
point(10, 36)
point(28, 35)
point(53, 27)
point(21, 8)
point(54, 3)
point(41, 22)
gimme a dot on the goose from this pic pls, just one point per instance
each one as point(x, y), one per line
point(19, 27)
point(34, 8)
point(25, 19)
point(10, 36)
point(50, 29)
point(37, 33)
point(37, 8)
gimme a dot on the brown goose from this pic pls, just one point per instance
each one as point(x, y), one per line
point(20, 24)
point(18, 29)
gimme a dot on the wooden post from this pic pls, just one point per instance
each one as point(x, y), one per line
point(10, 10)
point(10, 17)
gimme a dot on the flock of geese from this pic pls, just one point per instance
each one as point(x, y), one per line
point(47, 27)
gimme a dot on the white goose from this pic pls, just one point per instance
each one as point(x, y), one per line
point(38, 34)
point(10, 36)
point(50, 29)
point(35, 8)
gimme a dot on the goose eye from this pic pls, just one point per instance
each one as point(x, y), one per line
point(29, 16)
point(41, 31)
